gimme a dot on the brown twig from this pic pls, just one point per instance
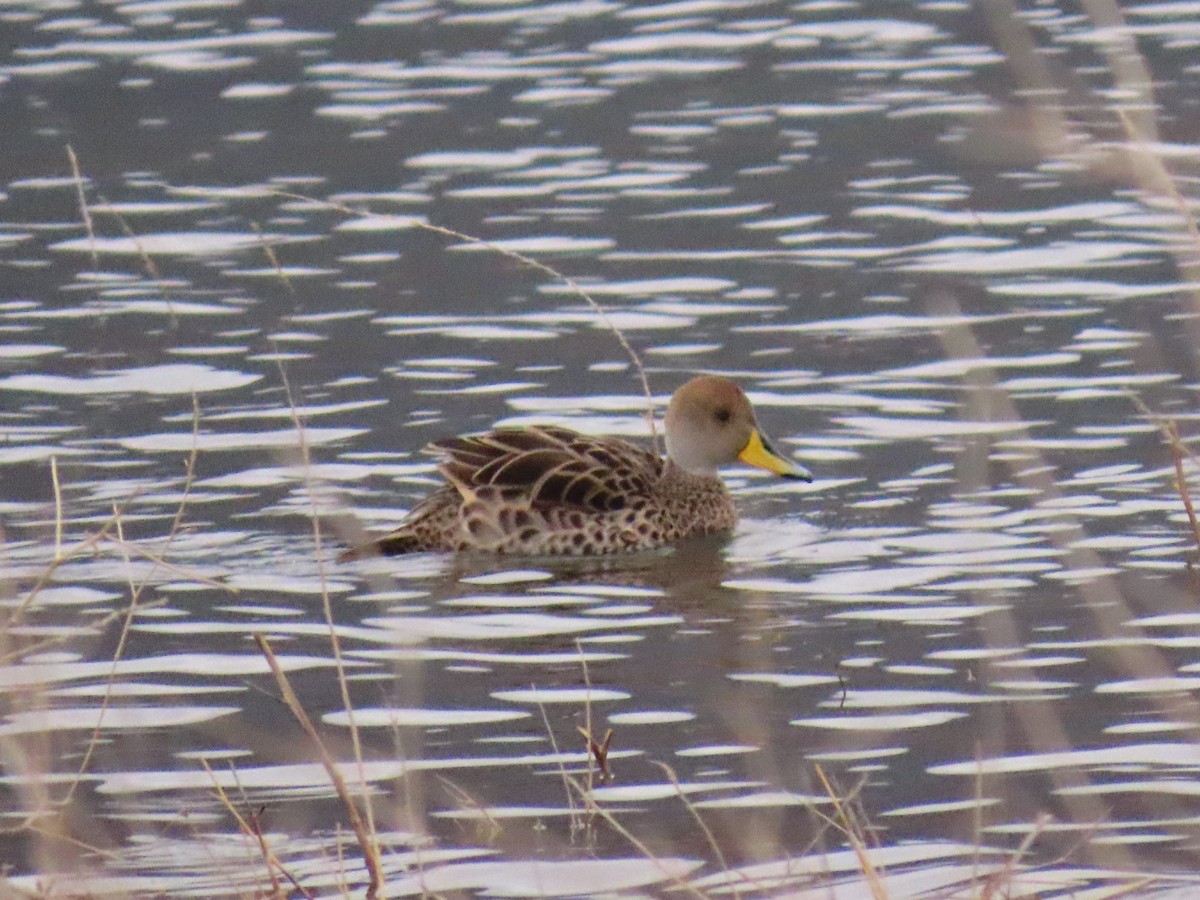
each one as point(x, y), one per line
point(598, 751)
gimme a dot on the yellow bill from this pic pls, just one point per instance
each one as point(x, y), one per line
point(759, 452)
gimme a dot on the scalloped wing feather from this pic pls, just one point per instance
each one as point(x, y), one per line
point(549, 467)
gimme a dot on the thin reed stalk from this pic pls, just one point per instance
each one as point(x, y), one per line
point(577, 823)
point(367, 843)
point(1179, 451)
point(84, 212)
point(254, 832)
point(58, 509)
point(851, 827)
point(528, 262)
point(586, 796)
point(327, 603)
point(709, 837)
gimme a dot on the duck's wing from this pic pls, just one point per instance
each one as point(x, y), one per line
point(549, 466)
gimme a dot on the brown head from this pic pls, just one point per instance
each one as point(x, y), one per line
point(710, 424)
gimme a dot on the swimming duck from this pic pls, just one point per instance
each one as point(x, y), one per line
point(547, 490)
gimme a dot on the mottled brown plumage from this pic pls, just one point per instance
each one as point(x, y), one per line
point(550, 490)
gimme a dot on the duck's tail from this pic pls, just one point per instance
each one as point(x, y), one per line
point(395, 544)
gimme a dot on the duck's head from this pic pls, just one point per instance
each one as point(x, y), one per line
point(710, 424)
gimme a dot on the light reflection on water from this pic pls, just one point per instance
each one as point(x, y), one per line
point(938, 301)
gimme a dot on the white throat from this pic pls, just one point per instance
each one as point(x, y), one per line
point(687, 457)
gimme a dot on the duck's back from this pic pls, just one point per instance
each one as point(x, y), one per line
point(550, 490)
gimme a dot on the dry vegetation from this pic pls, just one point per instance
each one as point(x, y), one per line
point(60, 835)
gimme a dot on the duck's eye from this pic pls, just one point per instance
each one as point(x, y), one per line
point(723, 416)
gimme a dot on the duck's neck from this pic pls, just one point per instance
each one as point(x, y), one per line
point(675, 473)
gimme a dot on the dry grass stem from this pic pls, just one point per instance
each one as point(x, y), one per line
point(1134, 888)
point(273, 258)
point(253, 830)
point(335, 641)
point(597, 750)
point(1103, 597)
point(711, 838)
point(135, 593)
point(366, 839)
point(528, 262)
point(135, 548)
point(1156, 177)
point(586, 796)
point(466, 800)
point(343, 878)
point(147, 261)
point(855, 834)
point(1179, 451)
point(57, 640)
point(127, 616)
point(577, 821)
point(105, 535)
point(87, 545)
point(75, 842)
point(47, 575)
point(84, 212)
point(1003, 878)
point(977, 813)
point(58, 509)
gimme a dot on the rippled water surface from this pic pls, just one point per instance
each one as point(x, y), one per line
point(949, 250)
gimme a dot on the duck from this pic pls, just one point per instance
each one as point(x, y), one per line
point(550, 491)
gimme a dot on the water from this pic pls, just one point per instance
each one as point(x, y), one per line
point(952, 272)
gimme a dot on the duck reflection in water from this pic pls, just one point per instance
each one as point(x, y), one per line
point(684, 578)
